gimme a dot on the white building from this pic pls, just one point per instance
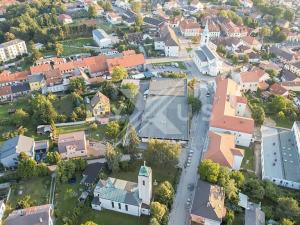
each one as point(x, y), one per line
point(167, 42)
point(102, 38)
point(205, 58)
point(124, 196)
point(12, 49)
point(251, 80)
point(280, 149)
point(113, 18)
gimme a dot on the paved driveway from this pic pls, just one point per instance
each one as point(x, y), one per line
point(180, 213)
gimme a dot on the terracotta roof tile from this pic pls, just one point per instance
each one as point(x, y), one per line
point(253, 75)
point(129, 59)
point(224, 111)
point(221, 149)
point(278, 89)
point(6, 90)
point(7, 76)
point(40, 69)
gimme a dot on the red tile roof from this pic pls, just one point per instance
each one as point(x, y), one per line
point(189, 24)
point(6, 90)
point(253, 75)
point(129, 59)
point(40, 68)
point(278, 89)
point(7, 76)
point(224, 108)
point(221, 149)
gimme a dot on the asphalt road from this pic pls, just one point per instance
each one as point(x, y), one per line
point(198, 138)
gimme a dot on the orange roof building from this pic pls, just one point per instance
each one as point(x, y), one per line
point(40, 69)
point(251, 80)
point(278, 89)
point(230, 113)
point(221, 149)
point(8, 78)
point(129, 60)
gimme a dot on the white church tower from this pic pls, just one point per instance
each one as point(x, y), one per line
point(205, 36)
point(145, 184)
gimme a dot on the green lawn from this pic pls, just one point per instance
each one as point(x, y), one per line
point(37, 188)
point(98, 134)
point(248, 161)
point(285, 123)
point(181, 64)
point(78, 42)
point(64, 105)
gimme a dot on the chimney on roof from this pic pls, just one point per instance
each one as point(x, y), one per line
point(208, 204)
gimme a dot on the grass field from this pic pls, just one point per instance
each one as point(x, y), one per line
point(64, 105)
point(37, 188)
point(248, 161)
point(97, 135)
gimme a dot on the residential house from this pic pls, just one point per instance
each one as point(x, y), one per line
point(5, 93)
point(159, 121)
point(205, 57)
point(189, 28)
point(65, 19)
point(214, 29)
point(40, 69)
point(11, 149)
point(72, 145)
point(124, 4)
point(100, 106)
point(230, 112)
point(129, 60)
point(291, 85)
point(36, 82)
point(54, 82)
point(11, 49)
point(287, 76)
point(167, 42)
point(7, 78)
point(36, 215)
point(102, 39)
point(232, 30)
point(280, 149)
point(221, 149)
point(20, 89)
point(153, 22)
point(251, 80)
point(294, 67)
point(113, 18)
point(51, 61)
point(278, 89)
point(283, 55)
point(6, 3)
point(252, 42)
point(124, 196)
point(208, 204)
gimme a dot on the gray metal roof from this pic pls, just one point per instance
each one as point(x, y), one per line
point(35, 78)
point(118, 191)
point(201, 55)
point(281, 53)
point(166, 111)
point(208, 52)
point(254, 216)
point(21, 87)
point(17, 144)
point(280, 151)
point(37, 215)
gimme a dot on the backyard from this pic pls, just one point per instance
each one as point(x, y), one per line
point(248, 160)
point(37, 188)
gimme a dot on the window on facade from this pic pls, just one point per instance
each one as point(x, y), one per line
point(126, 207)
point(112, 204)
point(119, 205)
point(143, 182)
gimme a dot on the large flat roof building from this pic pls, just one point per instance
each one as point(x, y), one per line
point(166, 111)
point(280, 155)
